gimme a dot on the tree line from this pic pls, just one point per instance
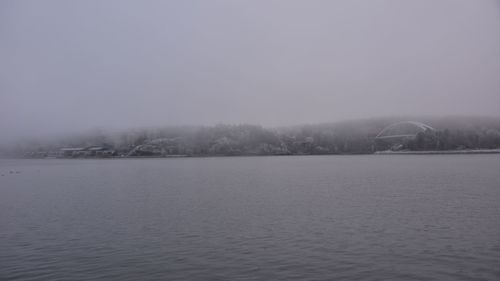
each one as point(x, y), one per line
point(351, 137)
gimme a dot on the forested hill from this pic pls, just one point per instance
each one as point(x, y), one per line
point(347, 137)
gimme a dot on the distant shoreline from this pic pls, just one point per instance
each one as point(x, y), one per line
point(424, 152)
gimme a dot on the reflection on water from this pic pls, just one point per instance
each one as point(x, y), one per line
point(252, 218)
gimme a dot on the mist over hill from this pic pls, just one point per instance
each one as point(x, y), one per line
point(345, 137)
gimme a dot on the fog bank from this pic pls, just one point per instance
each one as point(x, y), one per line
point(69, 66)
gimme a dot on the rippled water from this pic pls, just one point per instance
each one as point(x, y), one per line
point(376, 217)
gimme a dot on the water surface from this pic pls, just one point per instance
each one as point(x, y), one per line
point(372, 217)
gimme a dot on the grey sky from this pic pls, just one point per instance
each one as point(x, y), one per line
point(72, 65)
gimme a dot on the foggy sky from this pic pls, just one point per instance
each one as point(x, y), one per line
point(67, 66)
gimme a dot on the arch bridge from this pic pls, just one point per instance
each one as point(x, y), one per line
point(403, 130)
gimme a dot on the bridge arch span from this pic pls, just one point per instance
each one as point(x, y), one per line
point(403, 129)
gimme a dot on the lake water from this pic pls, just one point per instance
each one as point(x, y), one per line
point(370, 217)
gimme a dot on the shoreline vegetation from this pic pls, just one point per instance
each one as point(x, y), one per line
point(449, 135)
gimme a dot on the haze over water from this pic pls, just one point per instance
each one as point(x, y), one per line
point(69, 66)
point(125, 80)
point(370, 217)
